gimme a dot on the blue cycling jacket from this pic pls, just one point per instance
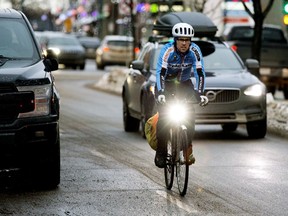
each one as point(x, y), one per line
point(174, 65)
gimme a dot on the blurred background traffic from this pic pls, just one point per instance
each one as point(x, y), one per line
point(91, 21)
point(98, 18)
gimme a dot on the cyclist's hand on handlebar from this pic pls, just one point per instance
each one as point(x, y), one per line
point(204, 100)
point(161, 99)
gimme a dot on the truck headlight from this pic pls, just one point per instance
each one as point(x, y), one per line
point(42, 96)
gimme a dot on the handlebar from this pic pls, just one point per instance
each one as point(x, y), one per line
point(191, 100)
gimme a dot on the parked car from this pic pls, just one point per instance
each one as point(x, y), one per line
point(90, 45)
point(29, 104)
point(67, 47)
point(115, 49)
point(274, 47)
point(235, 95)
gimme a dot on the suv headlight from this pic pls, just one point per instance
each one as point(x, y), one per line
point(254, 90)
point(42, 96)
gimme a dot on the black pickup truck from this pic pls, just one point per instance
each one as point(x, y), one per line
point(29, 105)
point(274, 61)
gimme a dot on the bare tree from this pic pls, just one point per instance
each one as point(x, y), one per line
point(197, 5)
point(258, 17)
point(17, 4)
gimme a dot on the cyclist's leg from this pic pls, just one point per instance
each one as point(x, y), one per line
point(161, 133)
point(190, 134)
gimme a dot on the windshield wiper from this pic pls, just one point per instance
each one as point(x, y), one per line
point(4, 59)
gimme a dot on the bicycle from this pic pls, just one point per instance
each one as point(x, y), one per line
point(177, 145)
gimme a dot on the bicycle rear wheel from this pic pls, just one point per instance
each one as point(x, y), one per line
point(169, 167)
point(182, 165)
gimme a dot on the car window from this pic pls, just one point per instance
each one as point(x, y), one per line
point(147, 60)
point(155, 58)
point(16, 40)
point(120, 43)
point(242, 34)
point(273, 35)
point(143, 52)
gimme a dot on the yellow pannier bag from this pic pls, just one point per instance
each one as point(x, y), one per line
point(150, 131)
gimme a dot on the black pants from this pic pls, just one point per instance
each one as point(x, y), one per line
point(182, 90)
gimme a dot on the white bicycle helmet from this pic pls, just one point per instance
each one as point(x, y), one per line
point(182, 30)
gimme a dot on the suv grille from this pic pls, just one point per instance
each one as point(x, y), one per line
point(223, 95)
point(5, 88)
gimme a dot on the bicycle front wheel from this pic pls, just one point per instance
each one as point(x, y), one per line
point(182, 165)
point(169, 167)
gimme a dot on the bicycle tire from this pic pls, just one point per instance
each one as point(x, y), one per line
point(169, 167)
point(182, 165)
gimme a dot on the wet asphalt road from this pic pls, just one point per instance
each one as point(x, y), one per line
point(105, 171)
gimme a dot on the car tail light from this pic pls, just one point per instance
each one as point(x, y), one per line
point(234, 48)
point(136, 50)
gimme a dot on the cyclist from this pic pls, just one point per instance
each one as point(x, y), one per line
point(177, 62)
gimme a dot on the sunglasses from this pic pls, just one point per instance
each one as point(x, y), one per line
point(184, 39)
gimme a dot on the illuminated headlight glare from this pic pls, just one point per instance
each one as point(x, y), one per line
point(152, 89)
point(55, 50)
point(42, 94)
point(99, 52)
point(255, 90)
point(177, 112)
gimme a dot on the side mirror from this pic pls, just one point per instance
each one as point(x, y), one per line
point(252, 63)
point(253, 66)
point(50, 61)
point(138, 65)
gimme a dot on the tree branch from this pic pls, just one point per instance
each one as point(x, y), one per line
point(247, 9)
point(270, 4)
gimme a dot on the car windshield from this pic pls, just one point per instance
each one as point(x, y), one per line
point(16, 41)
point(221, 60)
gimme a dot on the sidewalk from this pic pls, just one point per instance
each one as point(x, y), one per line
point(277, 116)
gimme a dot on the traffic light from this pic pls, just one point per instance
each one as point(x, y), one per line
point(285, 7)
point(285, 12)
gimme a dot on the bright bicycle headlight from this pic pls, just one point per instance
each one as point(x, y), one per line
point(255, 90)
point(42, 96)
point(177, 112)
